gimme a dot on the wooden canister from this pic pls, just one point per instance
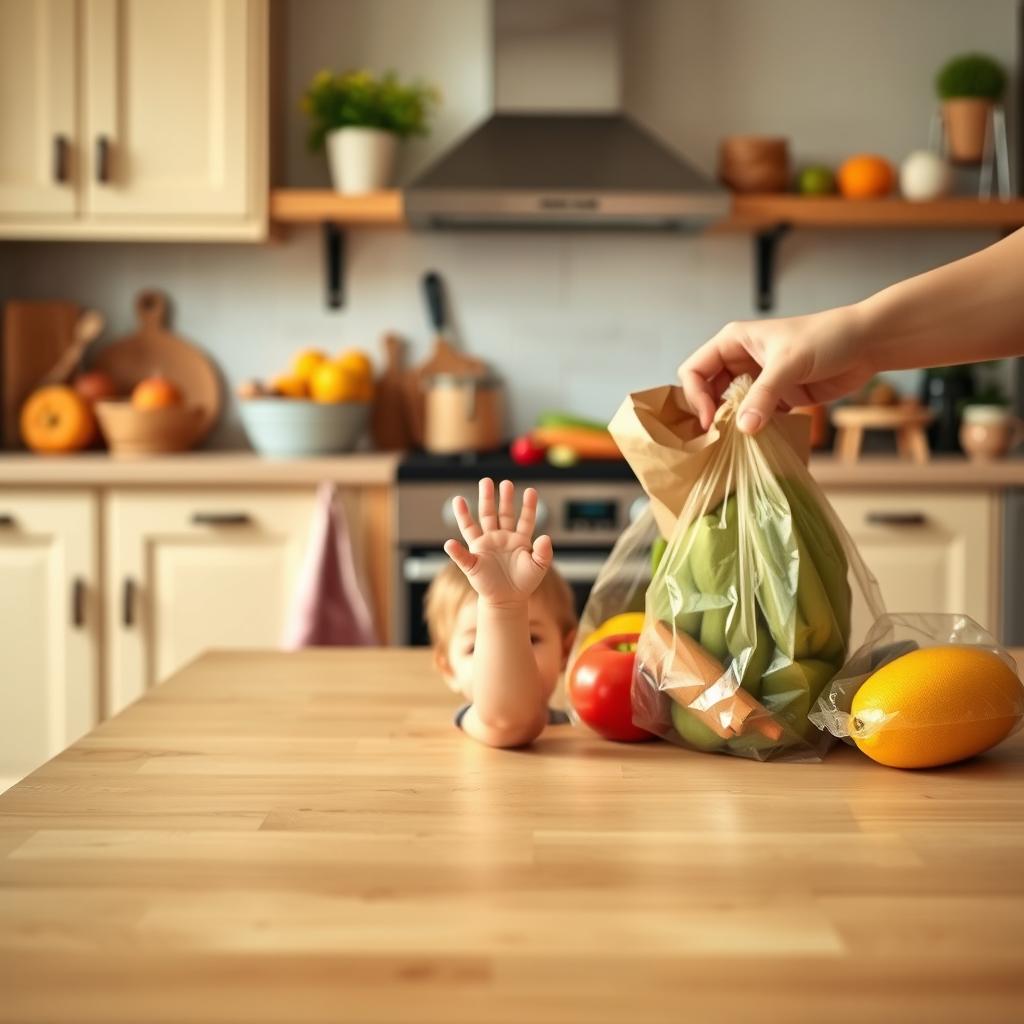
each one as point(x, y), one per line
point(754, 163)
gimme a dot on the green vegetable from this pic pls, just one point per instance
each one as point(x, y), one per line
point(565, 419)
point(693, 730)
point(971, 75)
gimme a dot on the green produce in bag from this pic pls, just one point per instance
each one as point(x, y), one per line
point(749, 613)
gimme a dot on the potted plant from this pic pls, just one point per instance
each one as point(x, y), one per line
point(360, 117)
point(969, 86)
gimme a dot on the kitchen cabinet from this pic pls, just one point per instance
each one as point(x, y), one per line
point(163, 108)
point(49, 625)
point(191, 570)
point(37, 108)
point(932, 551)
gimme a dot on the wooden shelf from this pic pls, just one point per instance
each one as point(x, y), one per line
point(766, 217)
point(316, 206)
point(750, 212)
point(753, 212)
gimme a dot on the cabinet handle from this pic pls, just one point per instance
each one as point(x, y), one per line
point(128, 602)
point(60, 159)
point(221, 519)
point(102, 159)
point(78, 602)
point(6, 519)
point(896, 518)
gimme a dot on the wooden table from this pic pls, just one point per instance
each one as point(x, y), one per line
point(291, 838)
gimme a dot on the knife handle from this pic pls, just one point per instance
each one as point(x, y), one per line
point(434, 292)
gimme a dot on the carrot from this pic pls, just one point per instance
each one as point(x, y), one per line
point(587, 444)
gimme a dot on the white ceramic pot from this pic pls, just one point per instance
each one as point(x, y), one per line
point(361, 159)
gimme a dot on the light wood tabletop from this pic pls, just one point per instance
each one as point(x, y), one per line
point(271, 837)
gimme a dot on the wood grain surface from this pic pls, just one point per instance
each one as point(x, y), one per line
point(272, 837)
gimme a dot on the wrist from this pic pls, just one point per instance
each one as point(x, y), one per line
point(510, 609)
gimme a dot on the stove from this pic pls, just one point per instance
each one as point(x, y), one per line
point(584, 508)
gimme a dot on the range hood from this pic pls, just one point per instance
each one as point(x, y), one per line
point(559, 152)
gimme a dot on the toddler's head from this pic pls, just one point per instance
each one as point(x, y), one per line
point(451, 618)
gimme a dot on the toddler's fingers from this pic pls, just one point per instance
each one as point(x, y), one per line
point(542, 552)
point(464, 559)
point(486, 510)
point(528, 515)
point(507, 505)
point(467, 525)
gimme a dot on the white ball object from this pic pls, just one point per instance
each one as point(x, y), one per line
point(924, 175)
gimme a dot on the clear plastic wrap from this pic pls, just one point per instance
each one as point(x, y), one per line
point(949, 691)
point(748, 615)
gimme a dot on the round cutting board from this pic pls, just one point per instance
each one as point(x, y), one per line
point(154, 350)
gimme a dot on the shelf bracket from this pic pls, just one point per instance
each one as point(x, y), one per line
point(766, 243)
point(334, 264)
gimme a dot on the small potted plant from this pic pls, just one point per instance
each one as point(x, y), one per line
point(360, 118)
point(969, 86)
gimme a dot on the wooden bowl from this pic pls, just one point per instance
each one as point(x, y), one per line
point(131, 431)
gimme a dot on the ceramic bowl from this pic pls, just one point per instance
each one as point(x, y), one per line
point(293, 427)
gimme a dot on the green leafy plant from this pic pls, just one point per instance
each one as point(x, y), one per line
point(971, 75)
point(360, 99)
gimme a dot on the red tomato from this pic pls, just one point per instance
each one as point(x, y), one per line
point(525, 451)
point(599, 688)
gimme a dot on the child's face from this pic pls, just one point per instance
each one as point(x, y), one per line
point(550, 648)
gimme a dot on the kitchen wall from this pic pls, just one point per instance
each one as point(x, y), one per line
point(571, 320)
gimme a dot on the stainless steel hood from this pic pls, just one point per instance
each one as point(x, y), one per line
point(559, 151)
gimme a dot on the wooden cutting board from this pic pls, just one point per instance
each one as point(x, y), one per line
point(35, 335)
point(153, 349)
point(390, 424)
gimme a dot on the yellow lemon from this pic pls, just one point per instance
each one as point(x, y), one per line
point(333, 383)
point(626, 622)
point(936, 706)
point(289, 385)
point(357, 363)
point(306, 362)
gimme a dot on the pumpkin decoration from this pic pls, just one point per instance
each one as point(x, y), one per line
point(57, 419)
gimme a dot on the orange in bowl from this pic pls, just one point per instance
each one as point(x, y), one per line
point(155, 393)
point(866, 176)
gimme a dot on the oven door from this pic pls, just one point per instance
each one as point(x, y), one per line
point(579, 568)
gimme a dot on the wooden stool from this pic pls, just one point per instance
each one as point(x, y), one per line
point(907, 421)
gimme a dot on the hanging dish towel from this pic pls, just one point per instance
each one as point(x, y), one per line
point(329, 609)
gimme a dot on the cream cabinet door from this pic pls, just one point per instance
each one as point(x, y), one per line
point(37, 108)
point(188, 571)
point(932, 551)
point(49, 626)
point(175, 108)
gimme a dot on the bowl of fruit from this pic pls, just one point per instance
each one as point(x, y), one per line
point(154, 420)
point(320, 407)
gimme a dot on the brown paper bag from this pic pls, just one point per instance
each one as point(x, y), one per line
point(664, 445)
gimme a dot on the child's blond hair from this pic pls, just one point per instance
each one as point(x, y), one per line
point(450, 589)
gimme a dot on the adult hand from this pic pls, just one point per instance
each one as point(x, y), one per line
point(801, 360)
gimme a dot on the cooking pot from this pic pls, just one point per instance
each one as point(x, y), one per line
point(464, 413)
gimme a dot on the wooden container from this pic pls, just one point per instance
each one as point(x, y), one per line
point(131, 431)
point(754, 163)
point(464, 413)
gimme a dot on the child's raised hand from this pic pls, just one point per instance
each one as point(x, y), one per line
point(503, 563)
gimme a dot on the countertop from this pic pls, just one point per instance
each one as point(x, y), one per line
point(272, 837)
point(195, 468)
point(381, 469)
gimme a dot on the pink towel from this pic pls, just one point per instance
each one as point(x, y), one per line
point(329, 609)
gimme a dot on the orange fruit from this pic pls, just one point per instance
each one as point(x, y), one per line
point(288, 385)
point(866, 177)
point(357, 363)
point(56, 419)
point(332, 382)
point(935, 706)
point(155, 393)
point(305, 363)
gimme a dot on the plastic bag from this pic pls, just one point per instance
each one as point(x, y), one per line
point(748, 615)
point(966, 708)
